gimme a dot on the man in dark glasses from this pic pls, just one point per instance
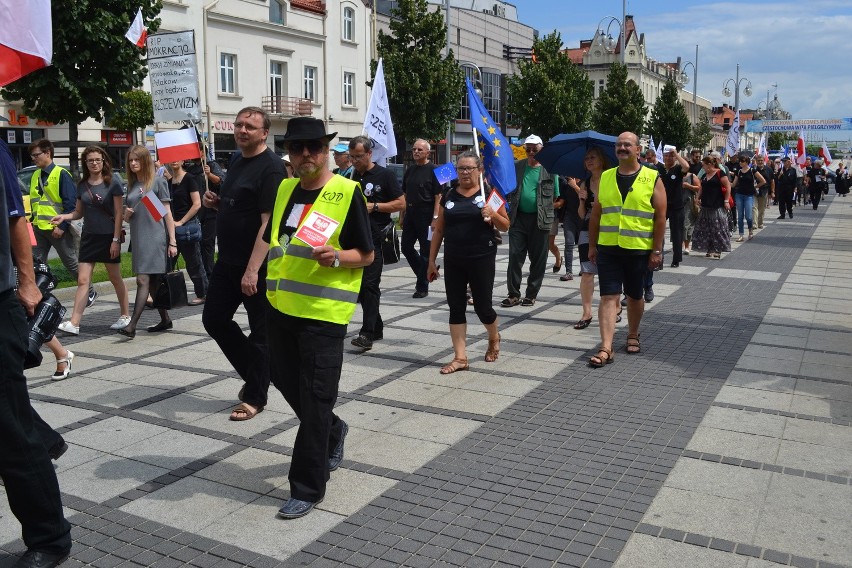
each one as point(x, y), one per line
point(244, 203)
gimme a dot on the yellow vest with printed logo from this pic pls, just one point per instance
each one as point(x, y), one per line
point(298, 285)
point(628, 224)
point(42, 203)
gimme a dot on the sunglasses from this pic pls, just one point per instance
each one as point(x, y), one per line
point(313, 146)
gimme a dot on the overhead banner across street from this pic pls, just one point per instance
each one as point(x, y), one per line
point(173, 71)
point(798, 125)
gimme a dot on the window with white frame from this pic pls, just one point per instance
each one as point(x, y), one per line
point(310, 90)
point(276, 85)
point(277, 11)
point(349, 24)
point(228, 73)
point(348, 89)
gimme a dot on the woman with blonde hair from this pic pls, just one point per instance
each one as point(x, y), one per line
point(99, 204)
point(152, 239)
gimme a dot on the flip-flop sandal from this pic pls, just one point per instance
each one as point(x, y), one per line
point(510, 302)
point(528, 302)
point(583, 324)
point(244, 412)
point(493, 351)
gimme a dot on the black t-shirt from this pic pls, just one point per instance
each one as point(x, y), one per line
point(746, 183)
point(673, 182)
point(249, 190)
point(181, 198)
point(355, 233)
point(711, 191)
point(786, 179)
point(466, 234)
point(568, 213)
point(421, 186)
point(695, 168)
point(817, 176)
point(379, 186)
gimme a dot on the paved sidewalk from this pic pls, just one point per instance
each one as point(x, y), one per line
point(726, 442)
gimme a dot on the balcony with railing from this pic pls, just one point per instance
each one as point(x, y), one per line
point(287, 106)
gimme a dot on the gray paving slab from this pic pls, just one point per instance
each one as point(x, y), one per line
point(725, 443)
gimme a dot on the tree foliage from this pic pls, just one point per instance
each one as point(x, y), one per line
point(550, 95)
point(133, 110)
point(424, 86)
point(776, 140)
point(93, 63)
point(621, 106)
point(668, 122)
point(701, 134)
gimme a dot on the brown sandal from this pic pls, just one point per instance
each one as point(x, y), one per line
point(455, 365)
point(635, 347)
point(493, 351)
point(244, 411)
point(597, 361)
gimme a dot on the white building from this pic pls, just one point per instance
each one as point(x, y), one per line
point(290, 57)
point(651, 76)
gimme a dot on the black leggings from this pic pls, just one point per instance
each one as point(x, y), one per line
point(479, 273)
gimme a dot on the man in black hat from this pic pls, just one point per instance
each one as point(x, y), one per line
point(785, 184)
point(319, 241)
point(239, 276)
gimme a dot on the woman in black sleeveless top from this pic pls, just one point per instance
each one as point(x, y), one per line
point(711, 228)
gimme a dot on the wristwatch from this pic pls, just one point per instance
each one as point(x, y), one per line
point(116, 240)
point(336, 262)
point(657, 252)
point(375, 207)
point(434, 217)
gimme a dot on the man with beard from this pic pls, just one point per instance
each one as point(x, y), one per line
point(314, 278)
point(239, 276)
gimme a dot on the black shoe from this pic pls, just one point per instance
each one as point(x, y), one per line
point(781, 216)
point(57, 450)
point(90, 299)
point(675, 264)
point(337, 453)
point(362, 342)
point(379, 336)
point(162, 326)
point(420, 294)
point(295, 508)
point(34, 559)
point(791, 214)
point(126, 333)
point(649, 294)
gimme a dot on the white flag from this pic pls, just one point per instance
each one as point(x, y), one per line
point(732, 146)
point(377, 122)
point(651, 144)
point(825, 154)
point(761, 146)
point(659, 151)
point(137, 32)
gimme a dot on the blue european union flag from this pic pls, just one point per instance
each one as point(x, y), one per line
point(495, 150)
point(445, 173)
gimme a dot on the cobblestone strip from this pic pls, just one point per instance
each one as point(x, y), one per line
point(751, 464)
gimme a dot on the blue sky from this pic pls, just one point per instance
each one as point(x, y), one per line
point(803, 47)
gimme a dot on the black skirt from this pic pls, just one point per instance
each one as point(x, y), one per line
point(95, 248)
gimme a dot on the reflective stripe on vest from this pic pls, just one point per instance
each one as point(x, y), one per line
point(298, 285)
point(41, 204)
point(628, 224)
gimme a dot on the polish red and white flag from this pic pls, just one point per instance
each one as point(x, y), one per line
point(154, 206)
point(800, 151)
point(137, 32)
point(824, 153)
point(177, 145)
point(26, 38)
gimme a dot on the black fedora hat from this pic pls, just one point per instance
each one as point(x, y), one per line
point(306, 128)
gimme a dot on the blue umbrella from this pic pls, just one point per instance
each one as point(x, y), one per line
point(563, 154)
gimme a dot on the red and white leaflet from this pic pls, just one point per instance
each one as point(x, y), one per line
point(316, 230)
point(495, 200)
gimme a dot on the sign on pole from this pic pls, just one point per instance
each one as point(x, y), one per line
point(173, 71)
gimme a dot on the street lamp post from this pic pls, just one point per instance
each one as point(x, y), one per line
point(726, 90)
point(605, 38)
point(684, 80)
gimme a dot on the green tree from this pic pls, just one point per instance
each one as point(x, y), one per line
point(132, 111)
point(621, 106)
point(92, 63)
point(701, 134)
point(776, 140)
point(424, 86)
point(550, 95)
point(668, 122)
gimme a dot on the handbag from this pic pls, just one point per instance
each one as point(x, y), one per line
point(189, 232)
point(171, 293)
point(390, 244)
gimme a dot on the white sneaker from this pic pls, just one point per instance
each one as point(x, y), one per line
point(69, 327)
point(122, 322)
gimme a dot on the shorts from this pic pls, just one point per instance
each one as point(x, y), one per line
point(619, 273)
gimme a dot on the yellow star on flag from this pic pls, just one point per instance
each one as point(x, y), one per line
point(496, 153)
point(496, 142)
point(491, 130)
point(485, 119)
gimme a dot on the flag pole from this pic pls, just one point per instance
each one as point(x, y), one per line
point(481, 178)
